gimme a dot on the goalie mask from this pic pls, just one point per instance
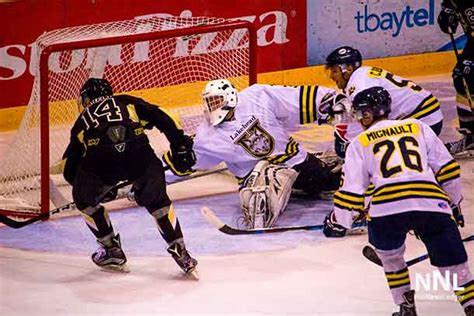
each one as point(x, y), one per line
point(220, 97)
point(92, 89)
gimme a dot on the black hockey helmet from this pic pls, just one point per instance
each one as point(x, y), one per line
point(344, 55)
point(92, 89)
point(376, 100)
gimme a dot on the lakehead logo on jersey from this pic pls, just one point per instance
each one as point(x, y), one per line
point(367, 20)
point(255, 139)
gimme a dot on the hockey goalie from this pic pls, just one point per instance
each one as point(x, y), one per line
point(251, 131)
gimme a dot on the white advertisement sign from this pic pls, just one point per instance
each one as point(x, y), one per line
point(377, 28)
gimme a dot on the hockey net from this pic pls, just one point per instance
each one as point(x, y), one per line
point(166, 61)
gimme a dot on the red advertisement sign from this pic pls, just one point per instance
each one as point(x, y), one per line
point(281, 30)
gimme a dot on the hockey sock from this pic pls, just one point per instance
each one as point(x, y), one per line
point(168, 224)
point(464, 280)
point(98, 221)
point(396, 272)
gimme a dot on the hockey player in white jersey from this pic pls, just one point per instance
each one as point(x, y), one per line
point(417, 187)
point(409, 100)
point(250, 131)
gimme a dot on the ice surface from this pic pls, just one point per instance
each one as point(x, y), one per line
point(45, 268)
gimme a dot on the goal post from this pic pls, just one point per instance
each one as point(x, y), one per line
point(166, 61)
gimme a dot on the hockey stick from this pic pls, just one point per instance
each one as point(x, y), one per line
point(198, 175)
point(70, 206)
point(370, 254)
point(466, 87)
point(226, 229)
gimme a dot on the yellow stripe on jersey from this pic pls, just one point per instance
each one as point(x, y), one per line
point(429, 105)
point(406, 190)
point(290, 151)
point(467, 294)
point(308, 104)
point(370, 190)
point(348, 200)
point(448, 172)
point(132, 113)
point(404, 129)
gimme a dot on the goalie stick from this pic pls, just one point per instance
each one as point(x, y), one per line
point(226, 229)
point(370, 254)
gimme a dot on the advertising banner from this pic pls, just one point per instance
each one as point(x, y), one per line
point(376, 28)
point(281, 30)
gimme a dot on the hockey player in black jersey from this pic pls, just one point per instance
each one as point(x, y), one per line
point(108, 145)
point(452, 12)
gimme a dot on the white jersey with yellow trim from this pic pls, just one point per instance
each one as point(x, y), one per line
point(265, 116)
point(408, 164)
point(409, 100)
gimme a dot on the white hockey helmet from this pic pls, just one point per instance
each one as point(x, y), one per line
point(219, 97)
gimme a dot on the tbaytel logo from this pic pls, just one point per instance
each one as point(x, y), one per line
point(395, 21)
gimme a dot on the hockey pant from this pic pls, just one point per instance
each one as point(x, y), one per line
point(442, 240)
point(265, 193)
point(149, 191)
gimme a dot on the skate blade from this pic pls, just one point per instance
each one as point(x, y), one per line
point(193, 274)
point(116, 268)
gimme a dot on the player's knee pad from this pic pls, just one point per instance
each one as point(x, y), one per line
point(462, 271)
point(392, 259)
point(265, 195)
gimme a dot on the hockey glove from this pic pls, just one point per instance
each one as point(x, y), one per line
point(331, 228)
point(333, 108)
point(448, 20)
point(182, 156)
point(458, 217)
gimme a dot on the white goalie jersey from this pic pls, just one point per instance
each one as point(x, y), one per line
point(264, 118)
point(409, 166)
point(409, 100)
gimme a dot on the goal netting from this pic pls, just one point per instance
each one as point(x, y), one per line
point(166, 61)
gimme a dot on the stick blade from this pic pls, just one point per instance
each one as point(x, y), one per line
point(371, 255)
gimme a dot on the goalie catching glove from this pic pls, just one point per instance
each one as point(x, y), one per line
point(181, 158)
point(265, 194)
point(334, 109)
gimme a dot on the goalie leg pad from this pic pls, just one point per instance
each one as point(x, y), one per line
point(263, 203)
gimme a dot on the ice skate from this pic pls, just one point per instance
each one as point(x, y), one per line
point(463, 148)
point(183, 259)
point(407, 308)
point(110, 255)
